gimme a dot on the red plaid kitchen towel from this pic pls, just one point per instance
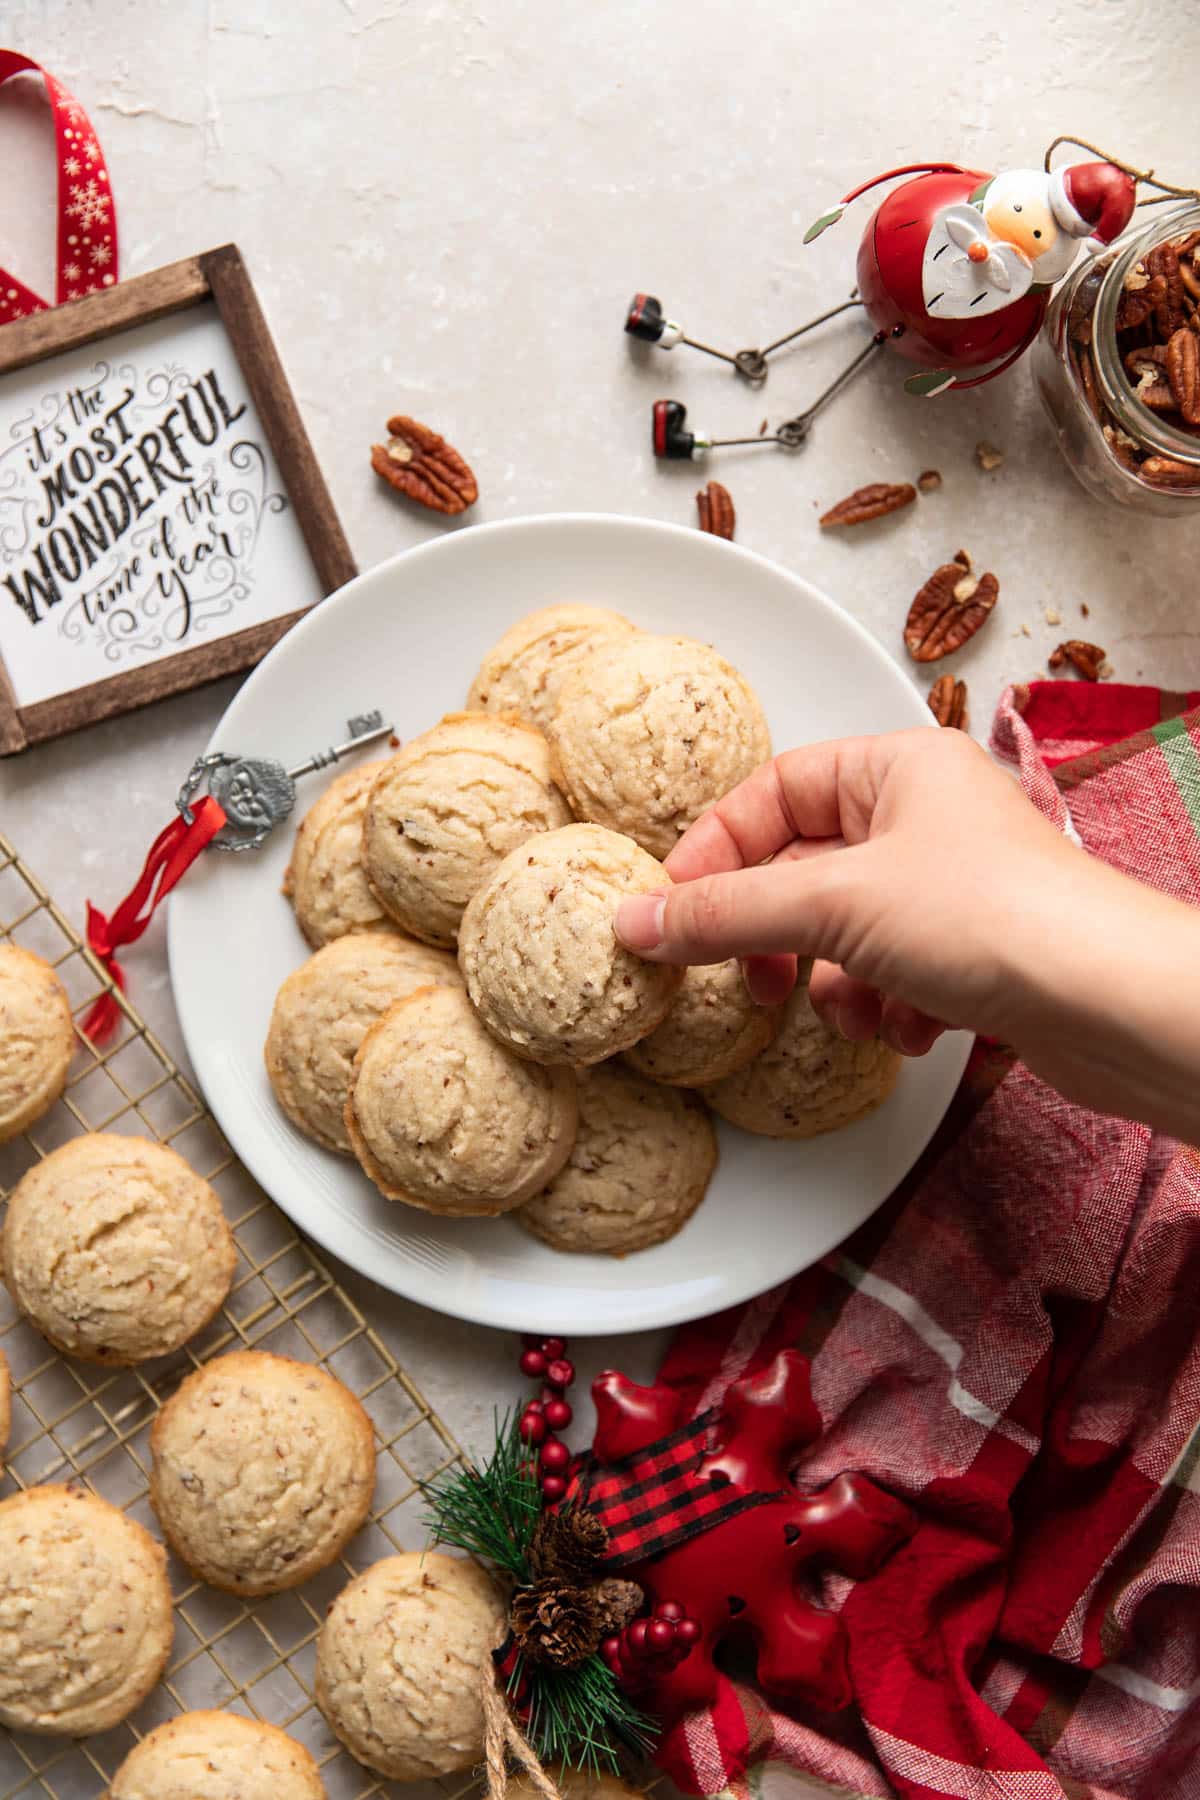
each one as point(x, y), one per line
point(1012, 1345)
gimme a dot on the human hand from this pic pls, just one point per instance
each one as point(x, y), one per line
point(935, 894)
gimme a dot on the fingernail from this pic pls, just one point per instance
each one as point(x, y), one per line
point(639, 921)
point(843, 1019)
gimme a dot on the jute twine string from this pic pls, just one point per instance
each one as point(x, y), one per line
point(1167, 190)
point(502, 1738)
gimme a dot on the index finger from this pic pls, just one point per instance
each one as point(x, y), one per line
point(805, 793)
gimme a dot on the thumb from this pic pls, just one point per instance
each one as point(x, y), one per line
point(806, 907)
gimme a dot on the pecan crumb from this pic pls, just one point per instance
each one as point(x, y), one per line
point(715, 507)
point(871, 502)
point(1088, 659)
point(1052, 616)
point(929, 480)
point(1085, 609)
point(948, 702)
point(987, 455)
point(1025, 631)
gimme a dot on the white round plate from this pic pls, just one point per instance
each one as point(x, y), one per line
point(407, 637)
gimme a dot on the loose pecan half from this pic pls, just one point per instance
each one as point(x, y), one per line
point(1183, 373)
point(948, 702)
point(715, 508)
point(948, 611)
point(1089, 659)
point(870, 502)
point(419, 463)
point(1169, 312)
point(1137, 303)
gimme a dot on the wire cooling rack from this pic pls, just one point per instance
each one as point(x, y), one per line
point(76, 1422)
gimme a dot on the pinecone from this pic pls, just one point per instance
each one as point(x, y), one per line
point(567, 1545)
point(556, 1622)
point(617, 1602)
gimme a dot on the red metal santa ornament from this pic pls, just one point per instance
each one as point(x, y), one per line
point(954, 272)
point(956, 266)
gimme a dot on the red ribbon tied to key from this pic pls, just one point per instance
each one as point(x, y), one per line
point(87, 215)
point(171, 855)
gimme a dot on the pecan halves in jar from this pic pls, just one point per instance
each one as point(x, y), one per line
point(1169, 312)
point(1183, 373)
point(948, 611)
point(1137, 304)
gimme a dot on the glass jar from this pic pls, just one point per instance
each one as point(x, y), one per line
point(1119, 447)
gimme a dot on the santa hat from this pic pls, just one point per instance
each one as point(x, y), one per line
point(1092, 198)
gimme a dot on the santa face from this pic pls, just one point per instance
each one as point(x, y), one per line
point(1016, 209)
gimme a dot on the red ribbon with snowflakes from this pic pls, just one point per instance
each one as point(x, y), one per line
point(87, 216)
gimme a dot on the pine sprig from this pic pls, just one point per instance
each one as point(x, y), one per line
point(490, 1509)
point(580, 1717)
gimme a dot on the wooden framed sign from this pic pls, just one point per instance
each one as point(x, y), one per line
point(163, 520)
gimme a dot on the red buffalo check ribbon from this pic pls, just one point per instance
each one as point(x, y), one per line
point(87, 217)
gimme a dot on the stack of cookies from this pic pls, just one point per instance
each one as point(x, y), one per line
point(468, 1026)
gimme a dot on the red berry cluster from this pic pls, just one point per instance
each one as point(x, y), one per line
point(649, 1647)
point(544, 1360)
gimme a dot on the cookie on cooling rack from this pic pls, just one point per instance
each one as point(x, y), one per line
point(217, 1756)
point(115, 1249)
point(444, 1117)
point(399, 1662)
point(85, 1612)
point(446, 809)
point(650, 731)
point(324, 1010)
point(36, 1039)
point(325, 880)
point(713, 1029)
point(525, 671)
point(642, 1161)
point(263, 1470)
point(540, 956)
point(809, 1080)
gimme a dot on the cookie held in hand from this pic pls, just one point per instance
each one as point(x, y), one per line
point(541, 959)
